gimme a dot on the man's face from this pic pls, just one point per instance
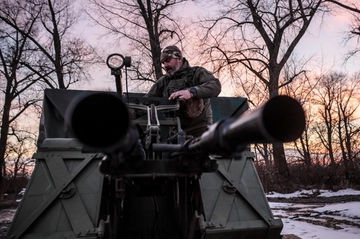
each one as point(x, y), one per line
point(171, 65)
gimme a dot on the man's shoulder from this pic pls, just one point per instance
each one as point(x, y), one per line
point(195, 69)
point(201, 70)
point(161, 79)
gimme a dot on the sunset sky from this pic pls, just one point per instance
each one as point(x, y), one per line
point(324, 43)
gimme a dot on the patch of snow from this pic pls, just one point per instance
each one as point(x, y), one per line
point(319, 193)
point(302, 219)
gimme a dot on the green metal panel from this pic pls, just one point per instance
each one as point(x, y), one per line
point(63, 196)
point(224, 107)
point(235, 205)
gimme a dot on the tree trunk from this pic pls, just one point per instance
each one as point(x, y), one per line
point(3, 140)
point(278, 148)
point(57, 47)
point(266, 155)
point(280, 160)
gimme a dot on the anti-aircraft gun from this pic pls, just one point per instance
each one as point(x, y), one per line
point(114, 165)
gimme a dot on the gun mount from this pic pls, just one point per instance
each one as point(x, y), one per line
point(102, 123)
point(112, 165)
point(281, 119)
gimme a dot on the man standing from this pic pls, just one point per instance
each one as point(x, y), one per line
point(193, 86)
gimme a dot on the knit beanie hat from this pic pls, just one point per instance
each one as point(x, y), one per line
point(170, 51)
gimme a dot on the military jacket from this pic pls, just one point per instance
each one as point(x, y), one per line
point(202, 80)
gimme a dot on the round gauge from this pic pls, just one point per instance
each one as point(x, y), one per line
point(115, 61)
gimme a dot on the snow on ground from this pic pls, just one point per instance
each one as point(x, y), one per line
point(306, 220)
point(320, 193)
point(319, 221)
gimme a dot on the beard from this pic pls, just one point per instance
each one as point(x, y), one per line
point(171, 70)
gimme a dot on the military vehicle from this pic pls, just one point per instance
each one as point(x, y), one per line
point(118, 165)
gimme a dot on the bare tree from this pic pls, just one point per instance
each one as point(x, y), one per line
point(335, 125)
point(18, 157)
point(348, 131)
point(15, 49)
point(260, 36)
point(37, 48)
point(327, 119)
point(69, 55)
point(145, 26)
point(62, 58)
point(302, 91)
point(354, 31)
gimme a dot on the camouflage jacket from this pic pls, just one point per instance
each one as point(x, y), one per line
point(202, 80)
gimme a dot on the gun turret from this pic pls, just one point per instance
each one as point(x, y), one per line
point(102, 123)
point(145, 178)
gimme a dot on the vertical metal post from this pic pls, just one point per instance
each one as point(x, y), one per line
point(118, 82)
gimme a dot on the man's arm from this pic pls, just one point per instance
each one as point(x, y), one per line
point(206, 84)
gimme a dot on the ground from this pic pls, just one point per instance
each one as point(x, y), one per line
point(8, 204)
point(310, 216)
point(314, 199)
point(8, 209)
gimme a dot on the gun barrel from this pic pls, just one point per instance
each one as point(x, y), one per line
point(101, 122)
point(281, 119)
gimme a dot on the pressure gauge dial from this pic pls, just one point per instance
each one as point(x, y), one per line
point(115, 61)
